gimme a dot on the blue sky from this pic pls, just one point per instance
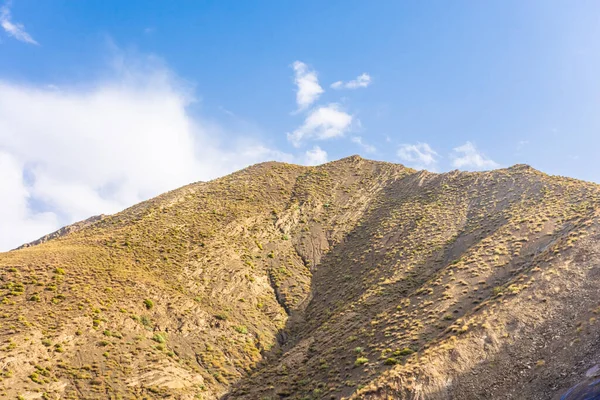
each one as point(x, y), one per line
point(106, 103)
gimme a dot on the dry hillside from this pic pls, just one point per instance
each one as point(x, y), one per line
point(355, 279)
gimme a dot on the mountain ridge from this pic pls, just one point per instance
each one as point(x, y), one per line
point(83, 223)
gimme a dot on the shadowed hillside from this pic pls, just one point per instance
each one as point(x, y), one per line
point(354, 279)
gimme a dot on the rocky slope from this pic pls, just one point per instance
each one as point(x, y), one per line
point(355, 279)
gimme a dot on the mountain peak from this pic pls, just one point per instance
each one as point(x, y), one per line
point(522, 167)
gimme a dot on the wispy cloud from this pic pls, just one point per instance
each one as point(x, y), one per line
point(14, 29)
point(418, 156)
point(366, 147)
point(309, 89)
point(361, 81)
point(469, 157)
point(322, 123)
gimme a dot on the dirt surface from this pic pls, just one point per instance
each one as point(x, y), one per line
point(355, 279)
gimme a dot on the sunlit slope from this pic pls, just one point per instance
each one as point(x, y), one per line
point(179, 295)
point(354, 279)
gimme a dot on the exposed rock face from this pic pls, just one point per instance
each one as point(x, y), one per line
point(64, 230)
point(355, 279)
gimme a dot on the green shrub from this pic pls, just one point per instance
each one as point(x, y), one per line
point(36, 378)
point(159, 338)
point(405, 351)
point(149, 304)
point(241, 329)
point(360, 361)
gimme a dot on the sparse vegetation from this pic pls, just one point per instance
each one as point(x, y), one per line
point(149, 304)
point(360, 361)
point(159, 338)
point(393, 271)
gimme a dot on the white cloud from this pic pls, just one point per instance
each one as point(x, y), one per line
point(316, 156)
point(69, 153)
point(418, 156)
point(14, 29)
point(19, 223)
point(468, 157)
point(361, 81)
point(309, 89)
point(366, 147)
point(322, 123)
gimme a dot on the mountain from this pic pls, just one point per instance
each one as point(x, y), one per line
point(355, 279)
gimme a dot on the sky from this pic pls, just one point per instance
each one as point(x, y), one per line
point(105, 103)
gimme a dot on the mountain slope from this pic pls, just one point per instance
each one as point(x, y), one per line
point(355, 279)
